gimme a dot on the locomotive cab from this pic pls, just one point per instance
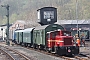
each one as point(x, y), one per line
point(61, 42)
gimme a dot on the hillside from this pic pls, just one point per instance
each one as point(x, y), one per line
point(27, 9)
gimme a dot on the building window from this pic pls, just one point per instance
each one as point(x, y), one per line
point(48, 14)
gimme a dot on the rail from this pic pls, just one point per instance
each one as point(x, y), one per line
point(14, 55)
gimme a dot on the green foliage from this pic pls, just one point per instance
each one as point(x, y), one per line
point(27, 9)
point(13, 18)
point(4, 21)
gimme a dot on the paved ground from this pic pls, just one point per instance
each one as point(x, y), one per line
point(88, 43)
point(35, 54)
point(83, 50)
point(31, 53)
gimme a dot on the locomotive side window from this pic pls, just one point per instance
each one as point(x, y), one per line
point(48, 36)
point(48, 14)
point(66, 33)
point(54, 34)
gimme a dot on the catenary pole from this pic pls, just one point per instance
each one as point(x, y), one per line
point(7, 31)
point(77, 16)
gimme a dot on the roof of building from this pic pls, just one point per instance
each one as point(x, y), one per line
point(5, 25)
point(21, 21)
point(73, 22)
point(46, 7)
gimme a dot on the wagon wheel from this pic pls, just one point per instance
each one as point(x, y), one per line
point(34, 46)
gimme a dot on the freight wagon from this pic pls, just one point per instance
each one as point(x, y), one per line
point(24, 37)
point(27, 37)
point(39, 34)
point(18, 38)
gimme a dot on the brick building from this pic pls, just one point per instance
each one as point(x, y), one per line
point(19, 24)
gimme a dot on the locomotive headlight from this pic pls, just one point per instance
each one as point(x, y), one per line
point(69, 50)
point(49, 43)
point(72, 41)
point(58, 42)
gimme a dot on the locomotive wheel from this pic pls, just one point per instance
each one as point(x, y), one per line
point(49, 51)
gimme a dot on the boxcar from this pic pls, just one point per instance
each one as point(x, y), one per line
point(27, 37)
point(19, 35)
point(39, 35)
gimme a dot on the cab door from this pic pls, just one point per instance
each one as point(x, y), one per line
point(49, 39)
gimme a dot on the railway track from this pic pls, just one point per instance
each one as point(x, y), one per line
point(83, 56)
point(74, 57)
point(77, 57)
point(13, 54)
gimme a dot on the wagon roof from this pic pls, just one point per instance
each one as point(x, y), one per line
point(19, 30)
point(28, 29)
point(41, 27)
point(45, 27)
